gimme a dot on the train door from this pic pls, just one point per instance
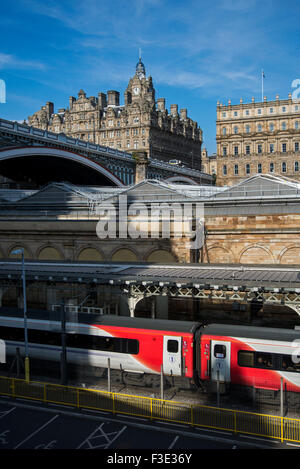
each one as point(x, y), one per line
point(172, 355)
point(220, 360)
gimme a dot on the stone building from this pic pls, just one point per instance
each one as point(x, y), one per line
point(141, 123)
point(258, 137)
point(254, 222)
point(209, 163)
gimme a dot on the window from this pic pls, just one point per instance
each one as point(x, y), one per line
point(223, 114)
point(283, 148)
point(247, 129)
point(271, 127)
point(172, 346)
point(284, 167)
point(259, 111)
point(235, 113)
point(296, 125)
point(283, 126)
point(289, 363)
point(271, 110)
point(236, 169)
point(271, 147)
point(259, 148)
point(224, 169)
point(224, 131)
point(247, 149)
point(259, 128)
point(263, 360)
point(247, 168)
point(224, 151)
point(296, 166)
point(247, 112)
point(220, 351)
point(235, 129)
point(271, 167)
point(259, 168)
point(245, 358)
point(296, 108)
point(296, 146)
point(283, 109)
point(84, 341)
point(236, 150)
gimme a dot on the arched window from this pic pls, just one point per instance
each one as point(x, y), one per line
point(224, 169)
point(284, 167)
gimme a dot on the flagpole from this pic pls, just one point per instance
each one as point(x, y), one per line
point(262, 86)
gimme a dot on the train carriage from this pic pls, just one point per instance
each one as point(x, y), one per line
point(210, 357)
point(250, 356)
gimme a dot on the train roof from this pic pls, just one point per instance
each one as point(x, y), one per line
point(108, 320)
point(252, 332)
point(141, 323)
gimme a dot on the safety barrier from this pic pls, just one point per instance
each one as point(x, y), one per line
point(282, 428)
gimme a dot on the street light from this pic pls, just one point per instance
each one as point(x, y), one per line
point(21, 251)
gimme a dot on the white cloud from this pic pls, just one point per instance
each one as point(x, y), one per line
point(11, 61)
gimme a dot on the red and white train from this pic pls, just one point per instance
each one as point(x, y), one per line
point(189, 353)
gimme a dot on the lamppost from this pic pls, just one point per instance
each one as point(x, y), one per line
point(21, 251)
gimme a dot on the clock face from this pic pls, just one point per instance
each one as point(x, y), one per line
point(136, 90)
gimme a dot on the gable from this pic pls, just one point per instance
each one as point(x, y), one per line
point(265, 185)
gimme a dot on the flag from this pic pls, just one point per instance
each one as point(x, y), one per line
point(263, 74)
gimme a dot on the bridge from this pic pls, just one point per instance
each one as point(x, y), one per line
point(262, 284)
point(44, 156)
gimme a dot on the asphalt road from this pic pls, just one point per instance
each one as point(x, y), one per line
point(26, 425)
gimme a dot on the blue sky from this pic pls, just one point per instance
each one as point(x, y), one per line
point(197, 52)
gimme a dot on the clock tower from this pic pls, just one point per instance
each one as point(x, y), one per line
point(140, 89)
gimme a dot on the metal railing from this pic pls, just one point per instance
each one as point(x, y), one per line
point(280, 428)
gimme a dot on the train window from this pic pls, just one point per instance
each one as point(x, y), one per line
point(290, 363)
point(130, 346)
point(220, 351)
point(263, 360)
point(172, 346)
point(245, 358)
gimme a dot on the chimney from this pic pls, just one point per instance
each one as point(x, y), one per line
point(183, 114)
point(113, 98)
point(49, 108)
point(102, 100)
point(161, 104)
point(71, 101)
point(174, 110)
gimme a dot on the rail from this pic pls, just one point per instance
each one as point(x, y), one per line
point(240, 422)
